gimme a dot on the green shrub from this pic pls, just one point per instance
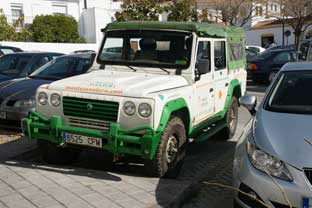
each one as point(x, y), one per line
point(56, 28)
point(6, 31)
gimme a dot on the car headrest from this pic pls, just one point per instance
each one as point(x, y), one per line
point(188, 43)
point(148, 44)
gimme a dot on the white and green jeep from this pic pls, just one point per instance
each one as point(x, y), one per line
point(155, 86)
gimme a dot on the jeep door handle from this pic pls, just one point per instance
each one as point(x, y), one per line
point(211, 90)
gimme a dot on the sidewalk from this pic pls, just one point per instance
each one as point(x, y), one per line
point(24, 183)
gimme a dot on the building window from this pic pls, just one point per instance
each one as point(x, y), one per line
point(259, 11)
point(16, 11)
point(60, 9)
point(275, 8)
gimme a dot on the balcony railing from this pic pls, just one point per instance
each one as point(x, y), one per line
point(20, 21)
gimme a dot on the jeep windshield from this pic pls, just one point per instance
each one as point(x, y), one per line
point(147, 48)
point(291, 93)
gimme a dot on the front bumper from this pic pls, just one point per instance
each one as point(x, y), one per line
point(116, 140)
point(245, 175)
point(11, 117)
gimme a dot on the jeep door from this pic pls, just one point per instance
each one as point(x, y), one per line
point(203, 86)
point(220, 74)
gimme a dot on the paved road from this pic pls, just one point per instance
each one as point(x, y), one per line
point(25, 181)
point(215, 197)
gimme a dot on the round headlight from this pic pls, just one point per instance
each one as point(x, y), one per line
point(145, 110)
point(129, 108)
point(55, 99)
point(43, 98)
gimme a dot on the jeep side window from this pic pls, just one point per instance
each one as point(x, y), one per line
point(203, 58)
point(219, 55)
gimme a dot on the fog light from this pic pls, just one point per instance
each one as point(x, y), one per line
point(146, 151)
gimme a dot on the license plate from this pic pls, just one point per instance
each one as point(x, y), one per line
point(82, 140)
point(2, 115)
point(306, 202)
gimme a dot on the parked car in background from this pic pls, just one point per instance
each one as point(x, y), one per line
point(84, 51)
point(256, 49)
point(274, 153)
point(305, 52)
point(262, 68)
point(279, 47)
point(17, 97)
point(250, 54)
point(18, 65)
point(8, 49)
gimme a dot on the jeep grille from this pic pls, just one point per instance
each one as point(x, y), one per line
point(91, 109)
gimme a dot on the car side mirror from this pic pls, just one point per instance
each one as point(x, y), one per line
point(203, 66)
point(249, 102)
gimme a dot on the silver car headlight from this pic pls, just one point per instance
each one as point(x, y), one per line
point(55, 99)
point(43, 98)
point(145, 110)
point(25, 103)
point(129, 108)
point(266, 162)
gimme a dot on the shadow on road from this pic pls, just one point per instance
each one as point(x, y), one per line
point(201, 159)
point(257, 88)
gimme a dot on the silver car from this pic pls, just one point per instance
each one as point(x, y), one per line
point(273, 158)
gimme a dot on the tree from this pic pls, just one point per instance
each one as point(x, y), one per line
point(56, 28)
point(232, 12)
point(182, 10)
point(203, 16)
point(139, 10)
point(296, 14)
point(6, 31)
point(13, 32)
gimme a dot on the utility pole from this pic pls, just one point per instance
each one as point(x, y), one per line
point(283, 29)
point(85, 4)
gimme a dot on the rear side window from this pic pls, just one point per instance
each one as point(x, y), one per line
point(238, 51)
point(220, 55)
point(7, 51)
point(282, 57)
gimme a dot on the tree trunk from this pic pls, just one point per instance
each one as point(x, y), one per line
point(297, 38)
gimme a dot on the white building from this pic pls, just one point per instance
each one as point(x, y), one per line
point(91, 15)
point(271, 31)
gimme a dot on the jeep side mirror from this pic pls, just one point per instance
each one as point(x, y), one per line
point(203, 66)
point(249, 102)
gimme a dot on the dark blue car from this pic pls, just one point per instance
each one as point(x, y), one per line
point(17, 97)
point(18, 65)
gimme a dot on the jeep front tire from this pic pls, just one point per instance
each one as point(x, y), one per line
point(170, 152)
point(231, 121)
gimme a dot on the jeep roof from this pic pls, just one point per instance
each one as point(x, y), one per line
point(200, 28)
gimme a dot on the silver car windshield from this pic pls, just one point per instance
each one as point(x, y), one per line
point(291, 93)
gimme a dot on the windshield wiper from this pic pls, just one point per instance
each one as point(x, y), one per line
point(130, 67)
point(165, 70)
point(45, 77)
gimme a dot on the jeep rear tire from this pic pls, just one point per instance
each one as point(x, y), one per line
point(231, 121)
point(169, 155)
point(52, 154)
